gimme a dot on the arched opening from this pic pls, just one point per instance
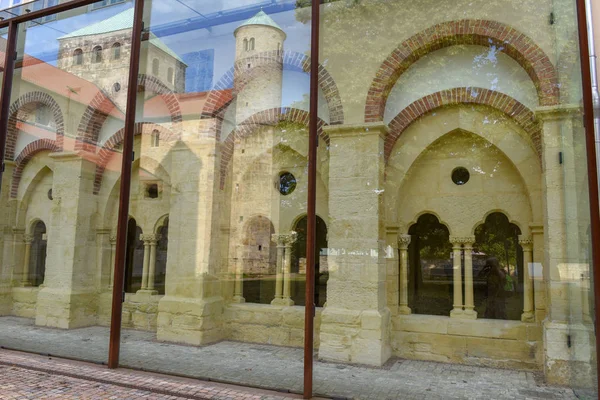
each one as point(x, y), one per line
point(299, 263)
point(170, 76)
point(259, 261)
point(116, 48)
point(251, 44)
point(134, 258)
point(97, 55)
point(78, 57)
point(155, 67)
point(155, 138)
point(430, 267)
point(161, 257)
point(498, 269)
point(37, 261)
point(245, 44)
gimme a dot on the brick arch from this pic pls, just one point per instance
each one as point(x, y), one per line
point(477, 32)
point(109, 147)
point(22, 108)
point(217, 99)
point(25, 156)
point(101, 106)
point(518, 112)
point(259, 120)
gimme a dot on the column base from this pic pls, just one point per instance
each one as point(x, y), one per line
point(238, 299)
point(67, 310)
point(5, 300)
point(456, 313)
point(25, 284)
point(469, 314)
point(147, 292)
point(355, 336)
point(404, 310)
point(190, 320)
point(527, 317)
point(283, 302)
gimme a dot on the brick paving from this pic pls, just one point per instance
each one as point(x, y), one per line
point(274, 367)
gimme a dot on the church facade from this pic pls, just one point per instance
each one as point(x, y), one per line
point(453, 141)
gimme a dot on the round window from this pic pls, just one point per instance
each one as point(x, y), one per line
point(287, 183)
point(460, 176)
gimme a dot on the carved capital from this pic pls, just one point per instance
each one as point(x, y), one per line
point(28, 238)
point(290, 238)
point(112, 238)
point(149, 238)
point(526, 242)
point(404, 241)
point(467, 241)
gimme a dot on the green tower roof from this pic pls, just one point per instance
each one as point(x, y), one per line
point(261, 19)
point(119, 22)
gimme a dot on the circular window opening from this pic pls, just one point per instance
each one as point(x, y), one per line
point(50, 195)
point(287, 183)
point(117, 87)
point(460, 176)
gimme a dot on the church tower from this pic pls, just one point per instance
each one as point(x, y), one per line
point(258, 65)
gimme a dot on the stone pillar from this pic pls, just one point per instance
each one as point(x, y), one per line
point(392, 269)
point(356, 324)
point(457, 310)
point(69, 297)
point(25, 281)
point(278, 239)
point(191, 311)
point(527, 245)
point(238, 288)
point(404, 241)
point(469, 297)
point(145, 239)
point(152, 267)
point(7, 259)
point(288, 240)
point(537, 272)
point(113, 258)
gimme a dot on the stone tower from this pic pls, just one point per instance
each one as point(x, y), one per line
point(259, 65)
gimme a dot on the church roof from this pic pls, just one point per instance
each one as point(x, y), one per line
point(261, 19)
point(118, 22)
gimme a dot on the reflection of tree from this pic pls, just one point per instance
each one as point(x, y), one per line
point(433, 238)
point(497, 237)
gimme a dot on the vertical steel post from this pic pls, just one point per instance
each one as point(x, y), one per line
point(125, 189)
point(309, 312)
point(7, 79)
point(588, 109)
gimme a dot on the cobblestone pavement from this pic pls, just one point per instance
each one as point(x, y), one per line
point(281, 367)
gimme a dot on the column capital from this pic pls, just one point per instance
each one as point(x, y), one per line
point(28, 238)
point(563, 111)
point(457, 241)
point(112, 238)
point(526, 242)
point(284, 239)
point(17, 231)
point(149, 238)
point(404, 241)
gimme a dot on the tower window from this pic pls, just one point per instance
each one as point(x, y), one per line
point(78, 57)
point(251, 44)
point(171, 76)
point(245, 44)
point(155, 139)
point(116, 51)
point(151, 191)
point(155, 67)
point(97, 54)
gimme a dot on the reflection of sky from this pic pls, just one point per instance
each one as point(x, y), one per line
point(185, 27)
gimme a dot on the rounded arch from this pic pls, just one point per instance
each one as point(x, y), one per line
point(478, 32)
point(110, 146)
point(32, 224)
point(522, 115)
point(22, 108)
point(239, 75)
point(523, 229)
point(415, 220)
point(160, 222)
point(25, 156)
point(259, 120)
point(101, 106)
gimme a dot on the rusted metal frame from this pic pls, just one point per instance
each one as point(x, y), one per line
point(46, 11)
point(7, 80)
point(588, 119)
point(125, 189)
point(313, 126)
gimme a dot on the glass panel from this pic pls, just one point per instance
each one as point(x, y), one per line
point(58, 223)
point(453, 182)
point(215, 273)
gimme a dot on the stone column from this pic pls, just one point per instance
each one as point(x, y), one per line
point(537, 272)
point(7, 259)
point(152, 267)
point(238, 288)
point(457, 310)
point(404, 241)
point(146, 262)
point(356, 324)
point(113, 255)
point(288, 240)
point(69, 297)
point(392, 269)
point(527, 245)
point(278, 239)
point(27, 239)
point(469, 298)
